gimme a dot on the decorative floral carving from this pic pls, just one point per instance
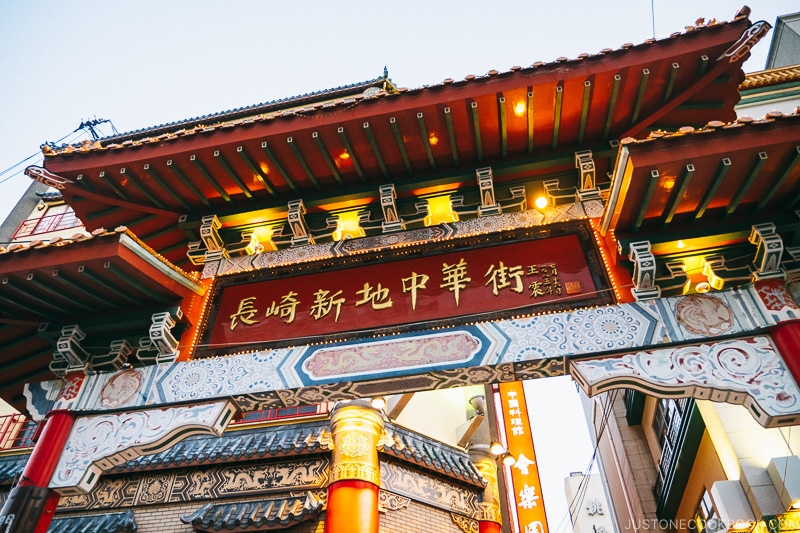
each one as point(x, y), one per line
point(204, 483)
point(99, 442)
point(359, 471)
point(741, 371)
point(388, 501)
point(369, 357)
point(354, 445)
point(704, 315)
point(467, 525)
point(121, 389)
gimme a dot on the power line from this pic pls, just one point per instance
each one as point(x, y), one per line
point(74, 134)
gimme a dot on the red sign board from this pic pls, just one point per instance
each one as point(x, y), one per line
point(422, 289)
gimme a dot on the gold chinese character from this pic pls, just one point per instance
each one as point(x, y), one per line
point(455, 277)
point(378, 297)
point(323, 304)
point(412, 284)
point(536, 289)
point(286, 308)
point(499, 278)
point(245, 313)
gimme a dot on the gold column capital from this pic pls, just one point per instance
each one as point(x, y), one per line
point(356, 428)
point(486, 463)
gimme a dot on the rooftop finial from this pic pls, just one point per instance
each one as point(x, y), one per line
point(385, 72)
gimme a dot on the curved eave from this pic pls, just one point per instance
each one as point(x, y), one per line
point(46, 285)
point(411, 139)
point(712, 183)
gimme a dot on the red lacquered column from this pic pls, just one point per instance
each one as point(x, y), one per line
point(355, 472)
point(30, 505)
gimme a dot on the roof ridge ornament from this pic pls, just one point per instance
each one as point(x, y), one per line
point(741, 48)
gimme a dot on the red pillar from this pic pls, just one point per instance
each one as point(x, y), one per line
point(30, 505)
point(786, 336)
point(355, 470)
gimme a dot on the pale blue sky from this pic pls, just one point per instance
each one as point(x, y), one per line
point(150, 62)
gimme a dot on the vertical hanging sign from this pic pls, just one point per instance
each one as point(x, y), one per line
point(525, 484)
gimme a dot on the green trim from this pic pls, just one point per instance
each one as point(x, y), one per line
point(501, 117)
point(38, 283)
point(161, 183)
point(255, 170)
point(764, 96)
point(85, 291)
point(113, 187)
point(274, 161)
point(182, 177)
point(680, 465)
point(209, 178)
point(398, 137)
point(677, 194)
point(530, 122)
point(327, 158)
point(353, 158)
point(755, 168)
point(702, 105)
point(637, 106)
point(612, 105)
point(227, 168)
point(722, 169)
point(648, 195)
point(300, 159)
point(476, 126)
point(587, 92)
point(426, 141)
point(777, 185)
point(634, 407)
point(673, 75)
point(375, 150)
point(702, 67)
point(134, 180)
point(557, 116)
point(96, 278)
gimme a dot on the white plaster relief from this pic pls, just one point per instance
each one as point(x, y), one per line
point(742, 371)
point(98, 443)
point(614, 328)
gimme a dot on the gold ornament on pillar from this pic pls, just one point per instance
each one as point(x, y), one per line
point(356, 430)
point(490, 506)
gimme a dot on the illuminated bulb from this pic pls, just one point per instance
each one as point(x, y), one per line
point(509, 459)
point(795, 506)
point(378, 403)
point(540, 202)
point(519, 108)
point(681, 244)
point(497, 449)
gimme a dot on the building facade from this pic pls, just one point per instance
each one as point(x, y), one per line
point(242, 327)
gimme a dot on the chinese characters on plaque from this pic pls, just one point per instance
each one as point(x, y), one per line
point(542, 281)
point(309, 301)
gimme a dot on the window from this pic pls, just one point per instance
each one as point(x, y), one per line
point(267, 415)
point(706, 518)
point(666, 424)
point(46, 224)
